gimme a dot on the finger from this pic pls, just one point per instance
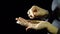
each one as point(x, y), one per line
point(16, 18)
point(27, 28)
point(28, 12)
point(19, 19)
point(18, 22)
point(23, 20)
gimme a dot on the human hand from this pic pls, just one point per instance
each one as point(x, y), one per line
point(34, 24)
point(37, 26)
point(35, 12)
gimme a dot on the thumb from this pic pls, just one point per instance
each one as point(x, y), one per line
point(28, 28)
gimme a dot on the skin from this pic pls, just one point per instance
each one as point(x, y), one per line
point(37, 26)
point(36, 11)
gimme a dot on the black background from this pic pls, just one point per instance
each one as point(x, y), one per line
point(19, 8)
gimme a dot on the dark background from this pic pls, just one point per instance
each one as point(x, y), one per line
point(19, 8)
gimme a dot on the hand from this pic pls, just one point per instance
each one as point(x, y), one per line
point(37, 26)
point(36, 11)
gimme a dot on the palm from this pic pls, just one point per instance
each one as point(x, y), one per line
point(35, 24)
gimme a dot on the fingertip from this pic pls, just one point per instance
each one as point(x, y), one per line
point(20, 17)
point(17, 22)
point(16, 18)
